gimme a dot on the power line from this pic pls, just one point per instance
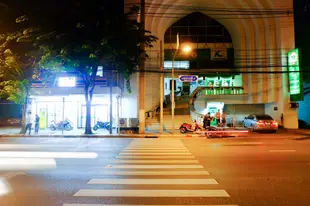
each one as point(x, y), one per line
point(199, 8)
point(204, 72)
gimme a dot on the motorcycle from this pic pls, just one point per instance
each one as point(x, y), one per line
point(62, 125)
point(185, 127)
point(104, 125)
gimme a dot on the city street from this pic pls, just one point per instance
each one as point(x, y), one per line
point(251, 171)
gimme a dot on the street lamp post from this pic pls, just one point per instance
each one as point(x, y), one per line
point(172, 84)
point(186, 49)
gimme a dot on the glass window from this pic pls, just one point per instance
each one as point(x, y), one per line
point(177, 64)
point(263, 117)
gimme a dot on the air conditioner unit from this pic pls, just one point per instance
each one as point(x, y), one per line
point(294, 105)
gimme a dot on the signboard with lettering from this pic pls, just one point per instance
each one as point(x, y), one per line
point(294, 76)
point(188, 78)
point(219, 54)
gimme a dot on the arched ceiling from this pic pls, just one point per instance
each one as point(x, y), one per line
point(161, 14)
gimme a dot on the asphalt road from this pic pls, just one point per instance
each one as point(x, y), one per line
point(253, 171)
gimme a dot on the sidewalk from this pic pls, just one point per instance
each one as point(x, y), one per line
point(14, 132)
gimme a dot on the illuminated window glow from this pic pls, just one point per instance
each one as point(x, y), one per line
point(177, 64)
point(66, 82)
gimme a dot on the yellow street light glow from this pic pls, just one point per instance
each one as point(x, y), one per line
point(187, 49)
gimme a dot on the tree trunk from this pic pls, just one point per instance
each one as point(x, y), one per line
point(24, 112)
point(88, 129)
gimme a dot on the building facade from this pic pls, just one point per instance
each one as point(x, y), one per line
point(240, 57)
point(63, 98)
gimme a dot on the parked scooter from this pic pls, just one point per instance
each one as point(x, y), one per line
point(103, 125)
point(62, 125)
point(185, 127)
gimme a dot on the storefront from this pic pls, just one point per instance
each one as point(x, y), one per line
point(73, 108)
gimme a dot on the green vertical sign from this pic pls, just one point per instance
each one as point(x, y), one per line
point(294, 76)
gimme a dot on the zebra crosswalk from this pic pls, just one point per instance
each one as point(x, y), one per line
point(157, 164)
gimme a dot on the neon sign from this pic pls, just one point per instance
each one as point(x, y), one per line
point(294, 72)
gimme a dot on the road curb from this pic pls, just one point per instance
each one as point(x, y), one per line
point(102, 136)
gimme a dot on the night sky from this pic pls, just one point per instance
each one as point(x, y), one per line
point(302, 29)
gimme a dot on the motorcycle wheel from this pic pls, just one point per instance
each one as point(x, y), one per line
point(68, 127)
point(95, 127)
point(52, 127)
point(183, 130)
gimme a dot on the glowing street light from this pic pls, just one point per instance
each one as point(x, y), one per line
point(187, 49)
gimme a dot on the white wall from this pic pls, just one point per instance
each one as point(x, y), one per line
point(129, 105)
point(275, 114)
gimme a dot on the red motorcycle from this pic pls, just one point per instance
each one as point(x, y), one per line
point(185, 127)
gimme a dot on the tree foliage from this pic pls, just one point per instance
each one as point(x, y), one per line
point(77, 36)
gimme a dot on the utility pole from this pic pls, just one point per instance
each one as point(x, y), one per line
point(111, 102)
point(141, 73)
point(161, 116)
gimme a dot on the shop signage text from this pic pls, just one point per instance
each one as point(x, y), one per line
point(295, 83)
point(188, 78)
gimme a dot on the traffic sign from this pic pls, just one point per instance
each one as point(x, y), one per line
point(188, 78)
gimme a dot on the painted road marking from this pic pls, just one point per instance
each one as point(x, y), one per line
point(76, 155)
point(154, 181)
point(136, 205)
point(155, 148)
point(236, 143)
point(151, 193)
point(155, 161)
point(156, 153)
point(152, 157)
point(9, 164)
point(32, 146)
point(154, 166)
point(282, 150)
point(154, 173)
point(4, 187)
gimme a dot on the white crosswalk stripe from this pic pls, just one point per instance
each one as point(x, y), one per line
point(135, 205)
point(146, 162)
point(155, 153)
point(150, 193)
point(155, 161)
point(154, 166)
point(155, 173)
point(154, 181)
point(153, 157)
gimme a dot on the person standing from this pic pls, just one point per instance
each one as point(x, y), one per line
point(204, 121)
point(36, 124)
point(207, 120)
point(218, 117)
point(28, 123)
point(223, 119)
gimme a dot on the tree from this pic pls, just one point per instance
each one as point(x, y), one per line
point(17, 64)
point(68, 37)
